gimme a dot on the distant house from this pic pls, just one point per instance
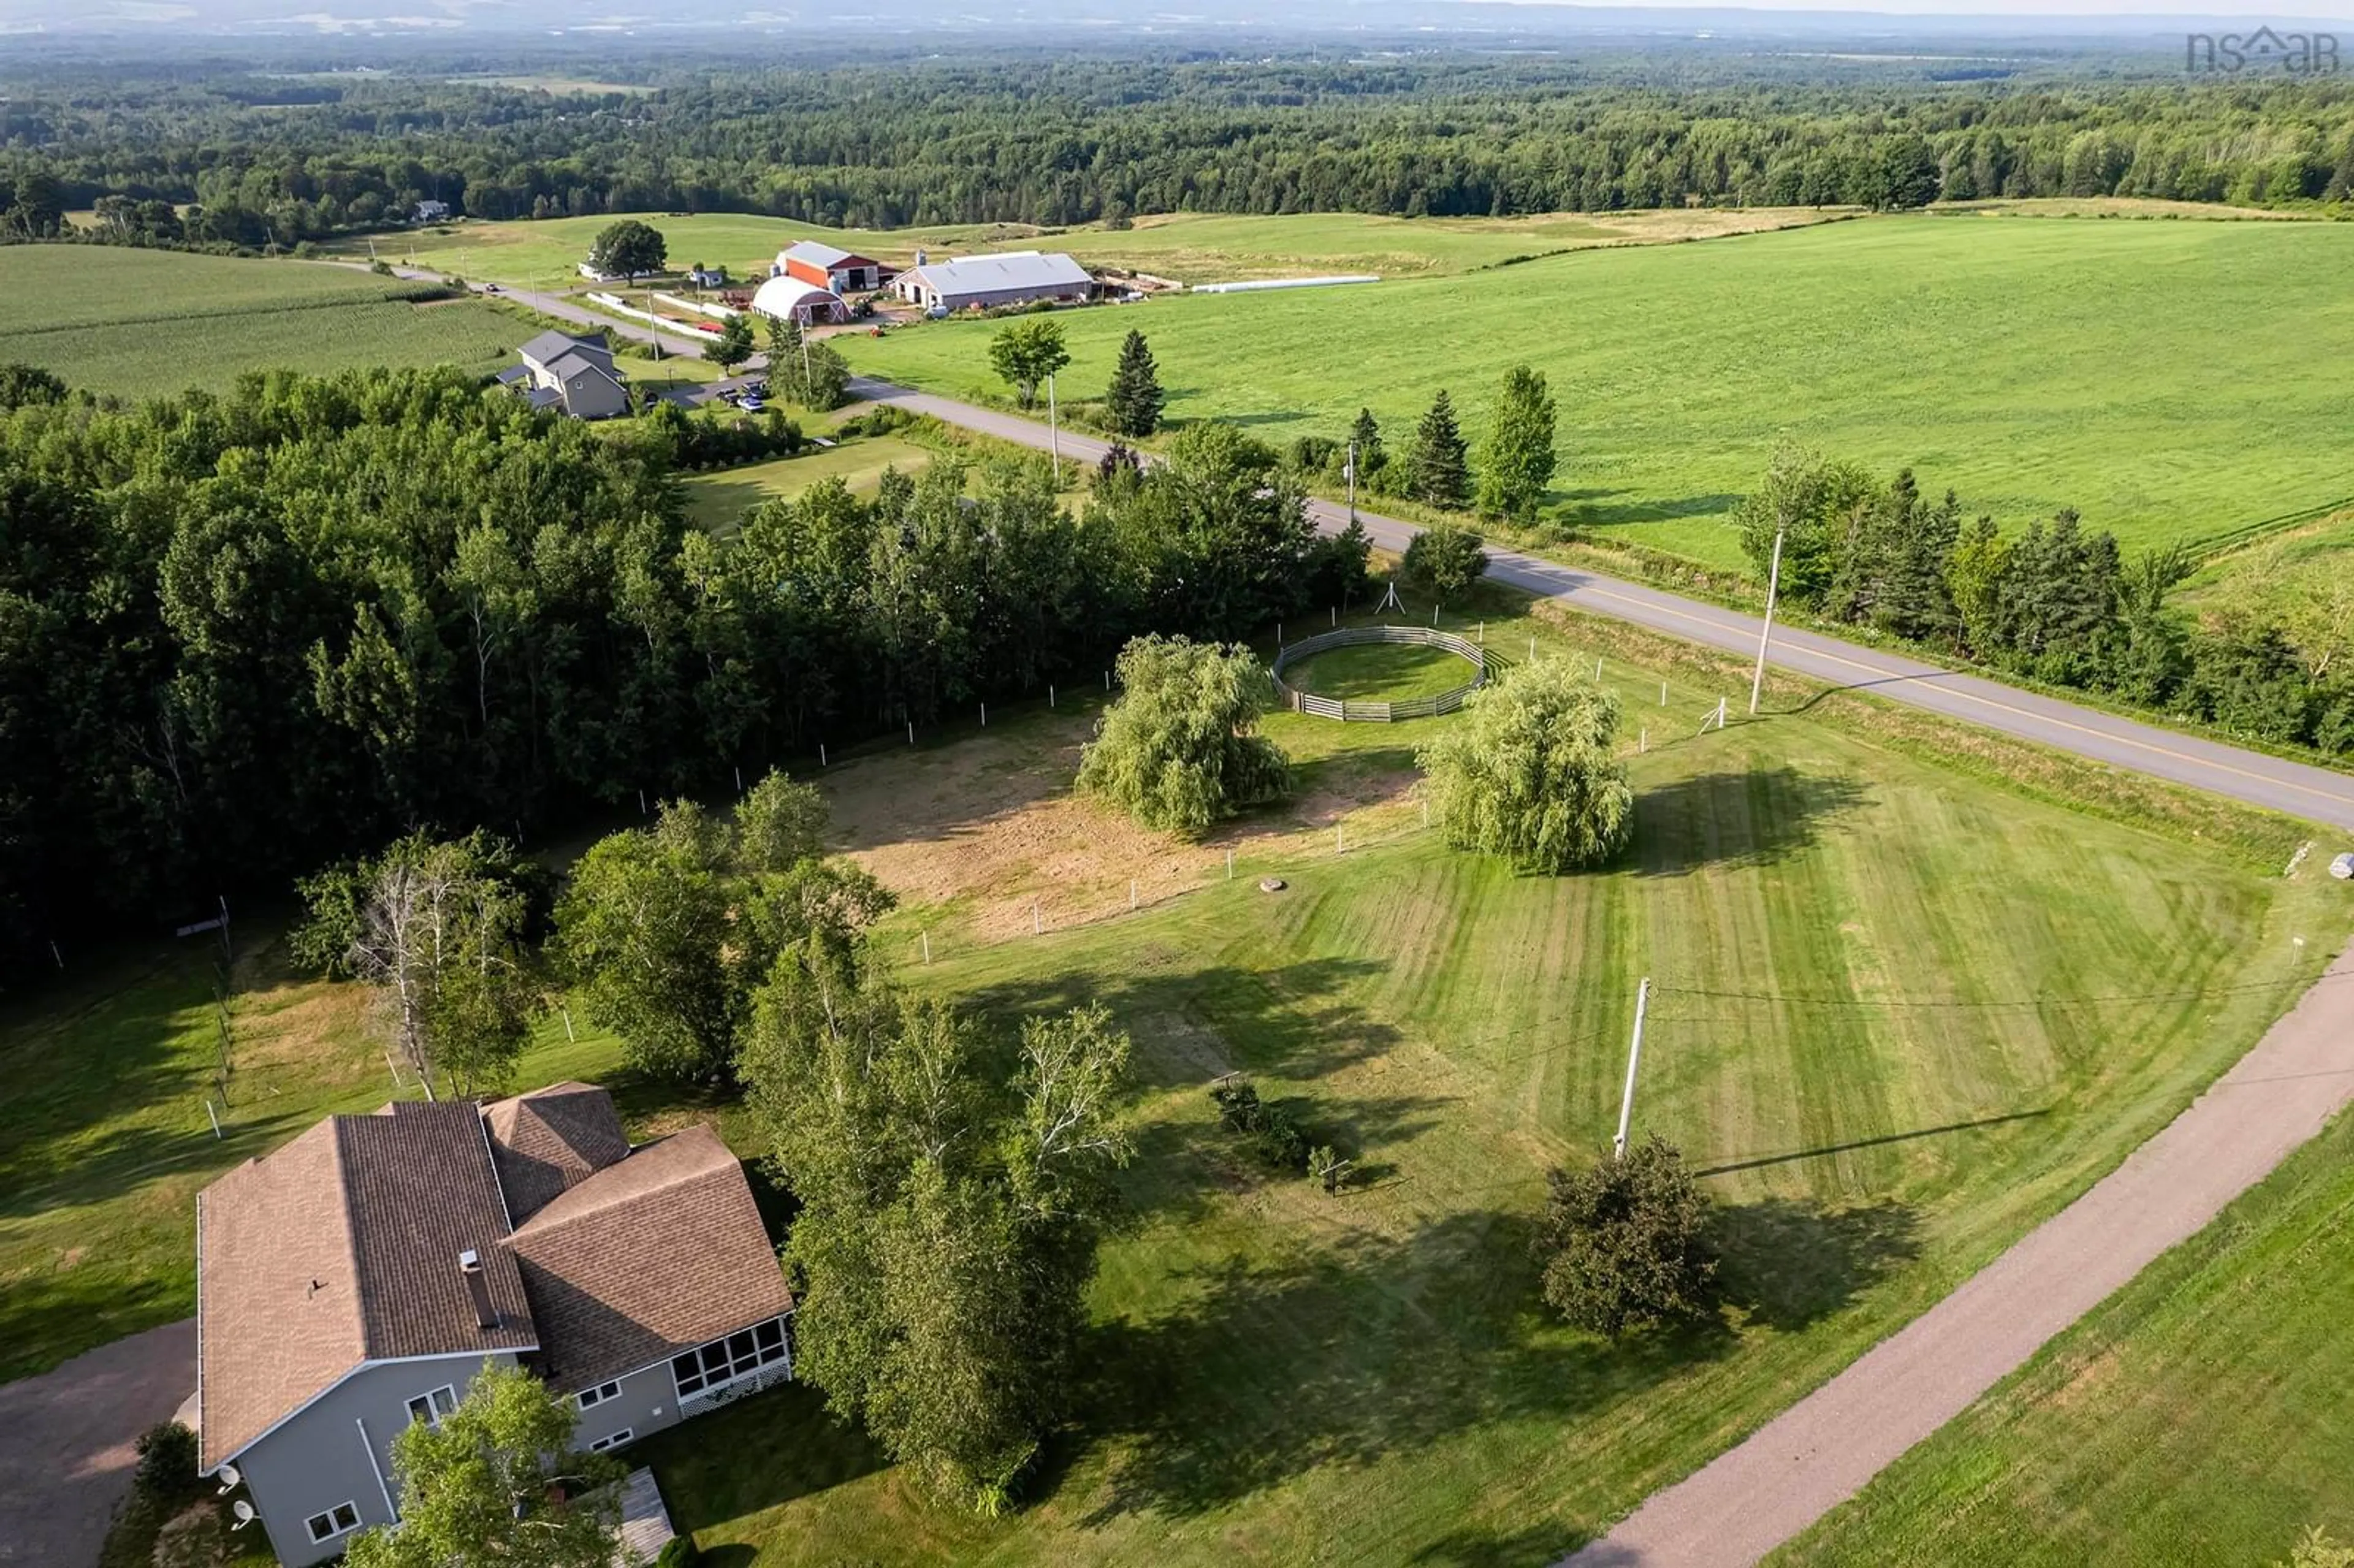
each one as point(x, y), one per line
point(356, 1279)
point(1011, 277)
point(830, 267)
point(429, 212)
point(708, 277)
point(783, 298)
point(574, 374)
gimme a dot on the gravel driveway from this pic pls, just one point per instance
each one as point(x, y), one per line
point(66, 1436)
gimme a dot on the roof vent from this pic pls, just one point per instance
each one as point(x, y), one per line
point(470, 1263)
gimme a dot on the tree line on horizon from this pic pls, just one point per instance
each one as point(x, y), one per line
point(218, 162)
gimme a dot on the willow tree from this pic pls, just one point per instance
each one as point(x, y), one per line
point(1531, 771)
point(1177, 750)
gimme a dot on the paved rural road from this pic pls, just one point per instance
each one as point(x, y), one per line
point(65, 1441)
point(1821, 1451)
point(2314, 793)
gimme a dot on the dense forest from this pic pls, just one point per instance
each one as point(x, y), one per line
point(258, 160)
point(243, 636)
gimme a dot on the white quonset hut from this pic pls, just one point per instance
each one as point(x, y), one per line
point(788, 298)
point(1011, 277)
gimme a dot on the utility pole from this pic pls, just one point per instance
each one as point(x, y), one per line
point(1352, 481)
point(1634, 1058)
point(1053, 432)
point(1773, 587)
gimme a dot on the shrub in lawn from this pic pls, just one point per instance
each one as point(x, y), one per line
point(1623, 1243)
point(678, 1551)
point(167, 1460)
point(1531, 771)
point(1272, 1136)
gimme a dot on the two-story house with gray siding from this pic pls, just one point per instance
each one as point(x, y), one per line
point(356, 1279)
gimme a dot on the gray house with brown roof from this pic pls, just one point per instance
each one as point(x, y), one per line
point(357, 1278)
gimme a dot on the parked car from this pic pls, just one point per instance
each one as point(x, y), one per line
point(938, 312)
point(749, 404)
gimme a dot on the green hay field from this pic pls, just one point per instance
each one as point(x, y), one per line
point(2171, 380)
point(144, 324)
point(2199, 1417)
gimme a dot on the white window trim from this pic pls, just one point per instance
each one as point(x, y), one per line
point(432, 1401)
point(711, 1385)
point(329, 1515)
point(613, 1439)
point(590, 1398)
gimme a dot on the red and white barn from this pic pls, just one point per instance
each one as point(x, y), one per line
point(829, 266)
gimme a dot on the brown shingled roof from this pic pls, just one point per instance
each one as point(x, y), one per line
point(658, 1254)
point(339, 1248)
point(549, 1140)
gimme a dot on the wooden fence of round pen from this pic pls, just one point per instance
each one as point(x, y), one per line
point(1431, 706)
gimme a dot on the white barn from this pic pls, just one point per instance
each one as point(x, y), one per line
point(783, 298)
point(1011, 277)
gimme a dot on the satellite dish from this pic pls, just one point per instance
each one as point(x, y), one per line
point(231, 1480)
point(244, 1512)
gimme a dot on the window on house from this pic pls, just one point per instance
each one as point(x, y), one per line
point(611, 1440)
point(724, 1361)
point(430, 1408)
point(340, 1520)
point(590, 1398)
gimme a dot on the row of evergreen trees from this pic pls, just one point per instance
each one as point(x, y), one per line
point(2057, 603)
point(1505, 482)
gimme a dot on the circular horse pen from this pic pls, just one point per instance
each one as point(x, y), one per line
point(1358, 712)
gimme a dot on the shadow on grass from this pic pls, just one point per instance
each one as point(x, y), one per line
point(1732, 820)
point(1497, 1546)
point(1660, 510)
point(1190, 1028)
point(1786, 1261)
point(756, 1453)
point(1345, 1356)
point(1828, 1150)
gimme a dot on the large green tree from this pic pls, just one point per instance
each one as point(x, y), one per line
point(1517, 458)
point(1439, 472)
point(1625, 1244)
point(497, 1483)
point(732, 346)
point(1813, 502)
point(666, 931)
point(630, 248)
point(1530, 771)
point(1132, 405)
point(949, 1221)
point(1026, 353)
point(1177, 748)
